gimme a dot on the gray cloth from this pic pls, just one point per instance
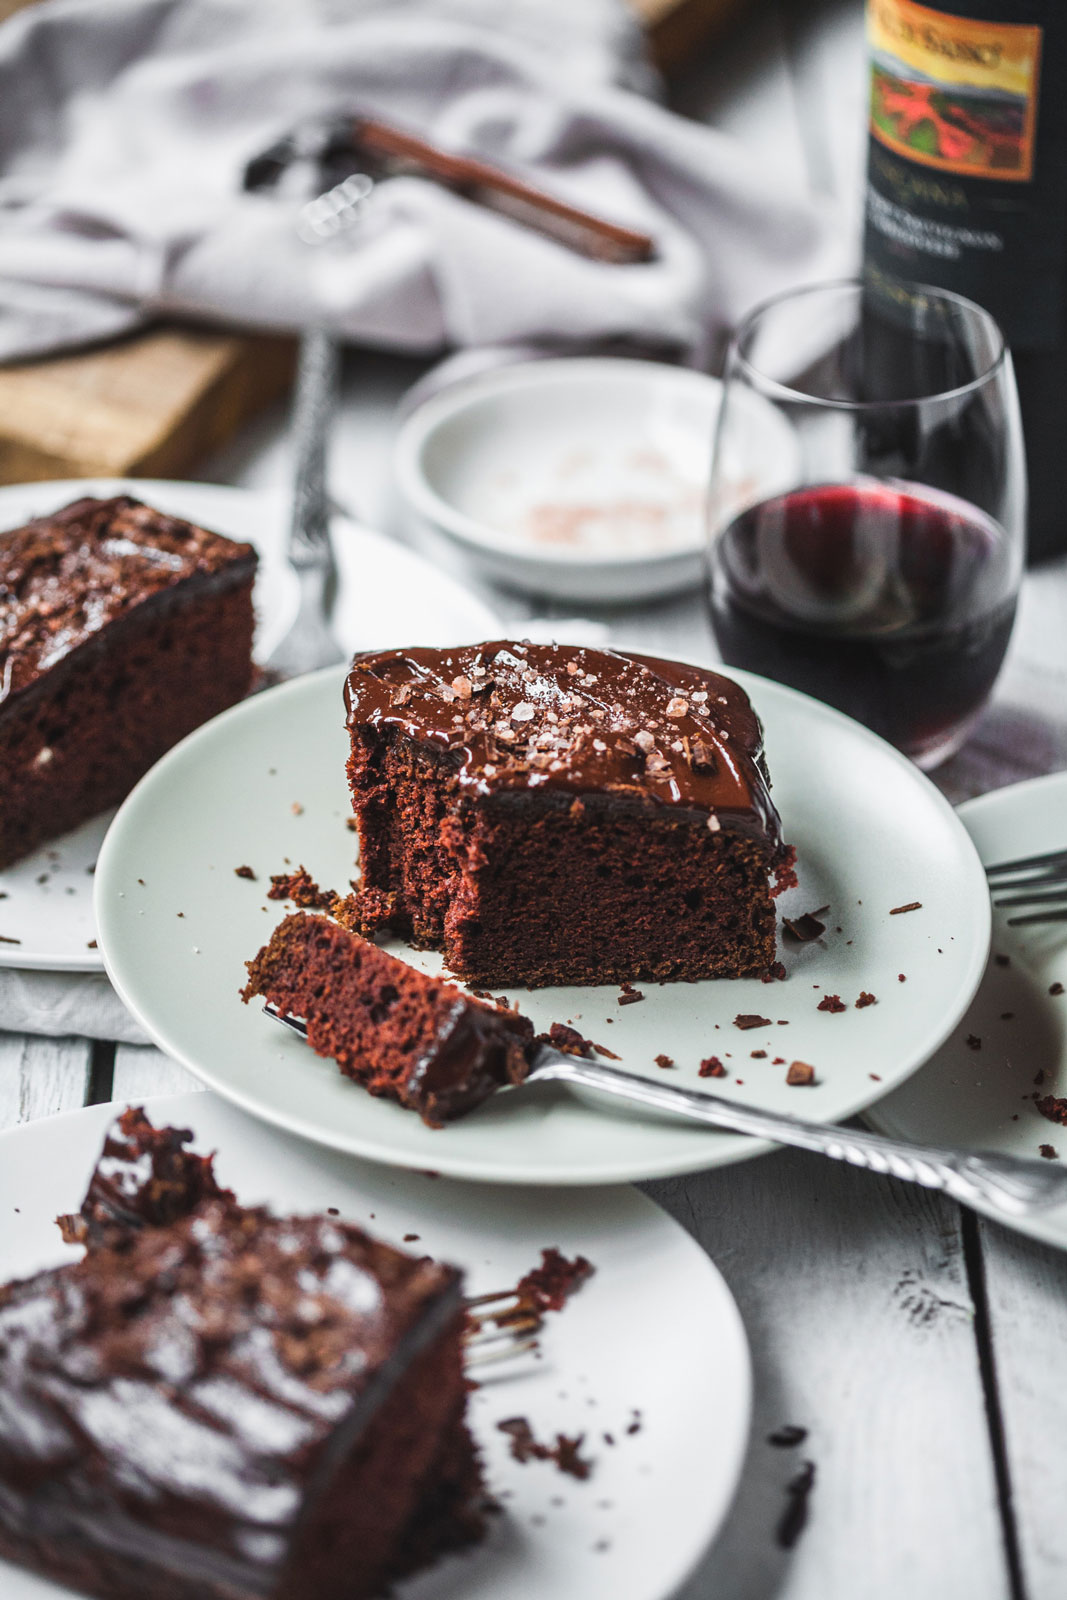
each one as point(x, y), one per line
point(61, 1003)
point(125, 126)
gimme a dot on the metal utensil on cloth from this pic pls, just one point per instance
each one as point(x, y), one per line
point(310, 643)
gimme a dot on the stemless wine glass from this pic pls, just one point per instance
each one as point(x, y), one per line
point(868, 505)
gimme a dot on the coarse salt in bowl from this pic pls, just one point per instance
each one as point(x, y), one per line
point(580, 478)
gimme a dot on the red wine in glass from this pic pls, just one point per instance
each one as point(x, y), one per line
point(890, 600)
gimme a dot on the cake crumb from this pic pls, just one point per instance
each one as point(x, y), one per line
point(750, 1019)
point(1055, 988)
point(664, 1061)
point(758, 1055)
point(973, 1042)
point(628, 995)
point(1002, 961)
point(902, 977)
point(602, 1050)
point(549, 1286)
point(800, 1074)
point(912, 905)
point(244, 872)
point(866, 999)
point(5, 938)
point(301, 888)
point(411, 1238)
point(775, 973)
point(1048, 1151)
point(566, 1452)
point(1053, 1108)
point(831, 1003)
point(568, 1040)
point(297, 809)
point(877, 1076)
point(711, 1067)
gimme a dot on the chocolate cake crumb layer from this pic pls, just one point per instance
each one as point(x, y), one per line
point(221, 1404)
point(546, 814)
point(399, 1033)
point(121, 630)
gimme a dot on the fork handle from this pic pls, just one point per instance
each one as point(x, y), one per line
point(1010, 1185)
point(318, 371)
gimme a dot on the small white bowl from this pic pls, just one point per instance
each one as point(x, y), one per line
point(583, 479)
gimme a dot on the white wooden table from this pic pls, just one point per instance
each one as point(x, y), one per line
point(920, 1347)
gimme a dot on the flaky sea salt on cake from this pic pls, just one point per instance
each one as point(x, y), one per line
point(546, 814)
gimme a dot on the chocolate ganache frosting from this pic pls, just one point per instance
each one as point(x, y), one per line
point(518, 716)
point(175, 1396)
point(66, 577)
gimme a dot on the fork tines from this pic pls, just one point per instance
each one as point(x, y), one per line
point(1051, 863)
point(1032, 881)
point(499, 1327)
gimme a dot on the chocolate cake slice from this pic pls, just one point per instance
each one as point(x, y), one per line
point(551, 815)
point(121, 630)
point(399, 1033)
point(228, 1405)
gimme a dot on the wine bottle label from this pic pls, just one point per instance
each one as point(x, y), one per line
point(966, 180)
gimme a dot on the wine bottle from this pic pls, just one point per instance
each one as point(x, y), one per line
point(967, 191)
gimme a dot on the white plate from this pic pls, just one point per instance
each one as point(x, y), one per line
point(872, 834)
point(385, 592)
point(982, 1099)
point(654, 1329)
point(582, 478)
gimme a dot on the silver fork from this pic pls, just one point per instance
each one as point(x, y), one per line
point(1008, 1184)
point(1032, 880)
point(499, 1328)
point(310, 642)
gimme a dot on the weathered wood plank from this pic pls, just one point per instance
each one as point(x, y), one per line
point(854, 1293)
point(1026, 1294)
point(40, 1077)
point(142, 1071)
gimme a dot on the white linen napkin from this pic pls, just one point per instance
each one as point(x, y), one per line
point(63, 1003)
point(125, 126)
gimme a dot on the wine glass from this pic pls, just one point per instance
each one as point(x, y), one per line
point(868, 506)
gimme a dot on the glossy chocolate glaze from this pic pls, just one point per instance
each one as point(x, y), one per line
point(475, 1052)
point(517, 716)
point(65, 578)
point(176, 1399)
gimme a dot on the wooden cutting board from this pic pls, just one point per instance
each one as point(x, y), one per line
point(153, 405)
point(156, 403)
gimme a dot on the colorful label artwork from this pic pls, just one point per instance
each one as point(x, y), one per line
point(954, 93)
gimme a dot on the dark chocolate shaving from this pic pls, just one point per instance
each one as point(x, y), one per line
point(806, 927)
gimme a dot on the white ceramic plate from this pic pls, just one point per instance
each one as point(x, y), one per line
point(653, 1331)
point(983, 1099)
point(581, 478)
point(872, 833)
point(386, 592)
